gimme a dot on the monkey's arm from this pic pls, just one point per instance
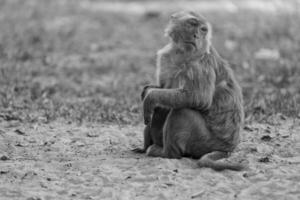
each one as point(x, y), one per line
point(173, 98)
point(197, 96)
point(145, 90)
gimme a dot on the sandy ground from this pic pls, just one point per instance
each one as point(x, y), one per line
point(92, 161)
point(60, 160)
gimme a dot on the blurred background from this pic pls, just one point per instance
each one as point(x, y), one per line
point(87, 60)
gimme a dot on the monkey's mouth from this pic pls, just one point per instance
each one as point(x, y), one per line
point(191, 43)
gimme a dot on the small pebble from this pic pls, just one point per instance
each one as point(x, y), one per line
point(266, 138)
point(264, 159)
point(4, 158)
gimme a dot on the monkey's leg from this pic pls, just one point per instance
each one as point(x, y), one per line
point(211, 160)
point(175, 135)
point(153, 132)
point(147, 140)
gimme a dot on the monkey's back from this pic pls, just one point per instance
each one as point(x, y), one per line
point(226, 114)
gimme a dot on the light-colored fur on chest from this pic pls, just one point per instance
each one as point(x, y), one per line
point(173, 69)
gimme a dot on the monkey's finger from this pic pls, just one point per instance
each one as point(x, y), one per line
point(143, 94)
point(147, 119)
point(145, 89)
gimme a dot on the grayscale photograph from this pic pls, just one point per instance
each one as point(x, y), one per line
point(149, 100)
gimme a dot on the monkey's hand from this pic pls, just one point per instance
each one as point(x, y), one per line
point(146, 90)
point(149, 103)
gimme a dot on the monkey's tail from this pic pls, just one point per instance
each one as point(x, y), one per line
point(211, 160)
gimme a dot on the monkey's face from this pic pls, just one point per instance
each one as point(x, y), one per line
point(189, 31)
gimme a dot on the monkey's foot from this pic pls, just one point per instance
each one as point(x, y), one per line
point(155, 151)
point(138, 150)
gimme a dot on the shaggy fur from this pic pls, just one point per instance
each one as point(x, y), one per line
point(197, 108)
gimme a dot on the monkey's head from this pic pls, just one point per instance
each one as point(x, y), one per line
point(189, 31)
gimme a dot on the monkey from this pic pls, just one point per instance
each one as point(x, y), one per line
point(196, 109)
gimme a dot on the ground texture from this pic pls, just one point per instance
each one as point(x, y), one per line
point(71, 73)
point(67, 161)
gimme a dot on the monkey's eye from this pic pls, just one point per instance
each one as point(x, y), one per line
point(193, 22)
point(204, 29)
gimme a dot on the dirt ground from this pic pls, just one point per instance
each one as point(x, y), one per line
point(71, 72)
point(90, 161)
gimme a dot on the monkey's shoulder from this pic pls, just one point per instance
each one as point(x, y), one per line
point(165, 50)
point(164, 56)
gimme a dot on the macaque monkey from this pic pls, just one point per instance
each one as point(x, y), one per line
point(196, 109)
